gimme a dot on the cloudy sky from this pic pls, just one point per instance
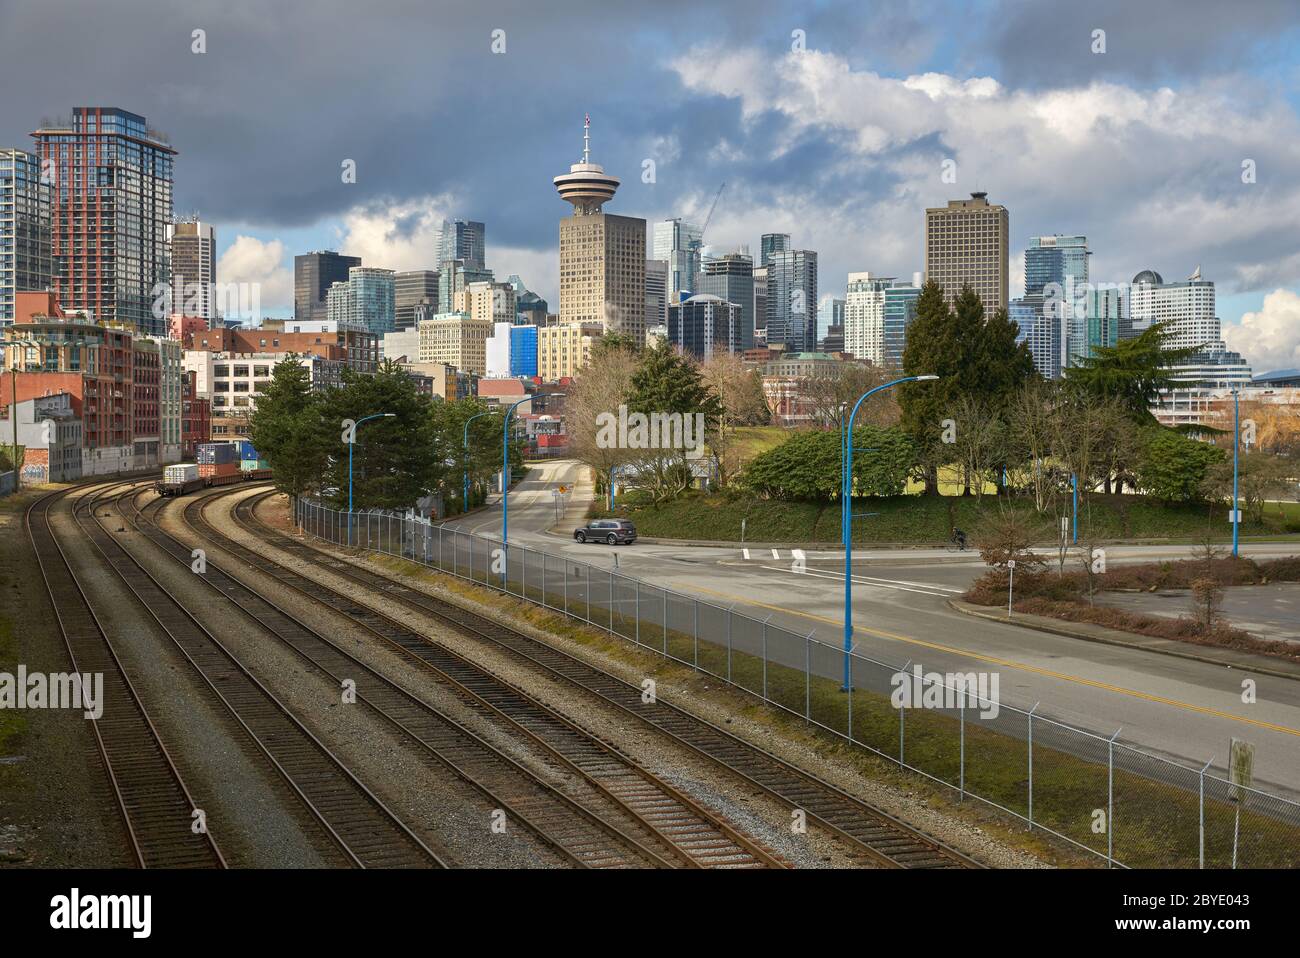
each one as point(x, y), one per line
point(832, 121)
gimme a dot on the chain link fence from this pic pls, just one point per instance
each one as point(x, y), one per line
point(1125, 805)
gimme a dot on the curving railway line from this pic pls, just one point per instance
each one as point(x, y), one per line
point(364, 829)
point(880, 838)
point(607, 794)
point(157, 809)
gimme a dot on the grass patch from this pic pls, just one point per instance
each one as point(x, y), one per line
point(915, 519)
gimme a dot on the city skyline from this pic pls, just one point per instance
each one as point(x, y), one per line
point(742, 109)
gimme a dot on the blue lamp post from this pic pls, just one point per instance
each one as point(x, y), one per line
point(505, 465)
point(1236, 451)
point(465, 445)
point(846, 513)
point(378, 415)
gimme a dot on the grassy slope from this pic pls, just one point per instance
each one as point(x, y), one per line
point(921, 519)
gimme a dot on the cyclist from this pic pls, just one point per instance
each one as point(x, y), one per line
point(959, 538)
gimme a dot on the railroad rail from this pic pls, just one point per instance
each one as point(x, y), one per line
point(368, 833)
point(638, 811)
point(156, 806)
point(877, 835)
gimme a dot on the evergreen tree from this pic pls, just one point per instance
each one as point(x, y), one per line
point(285, 428)
point(1133, 372)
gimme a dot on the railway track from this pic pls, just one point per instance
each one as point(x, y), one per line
point(156, 807)
point(635, 808)
point(874, 833)
point(367, 832)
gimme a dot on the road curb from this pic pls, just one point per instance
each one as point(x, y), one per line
point(1232, 658)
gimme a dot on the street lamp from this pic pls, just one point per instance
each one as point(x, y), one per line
point(505, 466)
point(846, 512)
point(1236, 450)
point(351, 443)
point(465, 445)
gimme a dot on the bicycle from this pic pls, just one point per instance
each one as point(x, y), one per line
point(956, 544)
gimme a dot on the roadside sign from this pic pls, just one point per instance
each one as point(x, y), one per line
point(1234, 516)
point(1011, 563)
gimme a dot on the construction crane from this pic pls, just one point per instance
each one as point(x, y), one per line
point(716, 196)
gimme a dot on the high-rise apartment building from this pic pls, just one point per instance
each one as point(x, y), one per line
point(770, 243)
point(864, 316)
point(656, 293)
point(730, 277)
point(900, 310)
point(25, 238)
point(760, 304)
point(792, 300)
point(410, 288)
point(966, 244)
point(313, 275)
point(463, 240)
point(830, 313)
point(194, 269)
point(456, 339)
point(602, 256)
point(364, 302)
point(677, 243)
point(705, 325)
point(110, 179)
point(454, 277)
point(563, 350)
point(494, 302)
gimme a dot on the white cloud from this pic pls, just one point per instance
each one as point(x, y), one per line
point(1151, 176)
point(262, 266)
point(1270, 338)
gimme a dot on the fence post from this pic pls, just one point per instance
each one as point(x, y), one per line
point(638, 611)
point(543, 580)
point(1200, 814)
point(610, 626)
point(729, 617)
point(1031, 766)
point(1110, 799)
point(765, 621)
point(695, 640)
point(566, 586)
point(665, 594)
point(902, 712)
point(961, 760)
point(807, 678)
point(588, 573)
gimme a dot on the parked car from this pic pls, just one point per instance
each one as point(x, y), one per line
point(612, 531)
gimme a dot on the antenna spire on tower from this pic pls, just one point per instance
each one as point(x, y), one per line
point(586, 139)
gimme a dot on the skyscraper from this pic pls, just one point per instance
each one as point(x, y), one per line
point(602, 255)
point(830, 313)
point(1056, 277)
point(313, 275)
point(463, 240)
point(454, 277)
point(194, 269)
point(730, 277)
point(966, 244)
point(705, 326)
point(770, 243)
point(25, 240)
point(656, 293)
point(792, 300)
point(900, 310)
point(110, 179)
point(372, 299)
point(410, 288)
point(864, 316)
point(677, 243)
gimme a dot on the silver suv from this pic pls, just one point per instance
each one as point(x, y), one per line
point(612, 531)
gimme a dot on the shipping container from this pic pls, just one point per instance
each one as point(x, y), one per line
point(248, 465)
point(217, 452)
point(246, 450)
point(208, 470)
point(182, 473)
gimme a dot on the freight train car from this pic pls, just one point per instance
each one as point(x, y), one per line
point(180, 480)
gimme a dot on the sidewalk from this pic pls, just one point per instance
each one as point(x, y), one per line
point(1088, 632)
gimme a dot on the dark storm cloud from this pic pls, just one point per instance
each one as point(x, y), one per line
point(1050, 44)
point(410, 91)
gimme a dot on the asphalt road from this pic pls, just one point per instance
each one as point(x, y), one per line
point(1174, 707)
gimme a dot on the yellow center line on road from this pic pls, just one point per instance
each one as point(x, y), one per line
point(1008, 663)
